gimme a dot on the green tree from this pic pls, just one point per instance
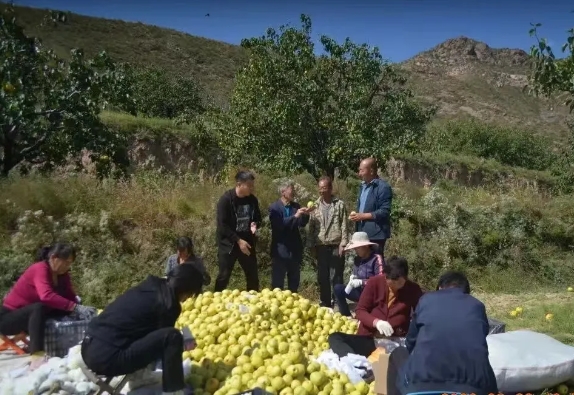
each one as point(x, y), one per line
point(49, 108)
point(552, 77)
point(159, 95)
point(292, 110)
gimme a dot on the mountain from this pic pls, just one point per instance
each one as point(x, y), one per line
point(465, 77)
point(462, 76)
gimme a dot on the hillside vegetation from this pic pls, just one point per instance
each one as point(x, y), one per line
point(465, 78)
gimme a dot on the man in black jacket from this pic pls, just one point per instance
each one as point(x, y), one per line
point(137, 329)
point(447, 343)
point(238, 218)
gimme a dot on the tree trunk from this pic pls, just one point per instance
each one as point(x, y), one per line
point(7, 162)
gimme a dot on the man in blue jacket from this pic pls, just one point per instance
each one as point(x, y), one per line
point(286, 217)
point(373, 214)
point(447, 343)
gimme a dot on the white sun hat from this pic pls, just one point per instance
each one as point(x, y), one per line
point(359, 239)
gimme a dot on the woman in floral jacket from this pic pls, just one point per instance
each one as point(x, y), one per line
point(367, 264)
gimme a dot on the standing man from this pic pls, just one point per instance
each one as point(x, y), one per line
point(373, 214)
point(286, 217)
point(238, 218)
point(327, 238)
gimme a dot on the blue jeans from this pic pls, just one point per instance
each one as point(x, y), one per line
point(341, 298)
point(282, 267)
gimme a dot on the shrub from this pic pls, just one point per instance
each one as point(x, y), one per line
point(507, 145)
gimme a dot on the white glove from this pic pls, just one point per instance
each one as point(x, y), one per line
point(352, 284)
point(352, 277)
point(356, 283)
point(384, 328)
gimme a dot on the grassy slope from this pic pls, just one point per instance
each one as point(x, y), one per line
point(211, 62)
point(214, 64)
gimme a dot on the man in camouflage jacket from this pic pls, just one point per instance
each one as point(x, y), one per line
point(328, 234)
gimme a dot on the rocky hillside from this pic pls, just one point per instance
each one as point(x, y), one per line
point(464, 77)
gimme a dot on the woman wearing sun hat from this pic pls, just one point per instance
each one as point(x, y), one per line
point(367, 264)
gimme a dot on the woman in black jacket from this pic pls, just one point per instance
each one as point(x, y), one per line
point(137, 329)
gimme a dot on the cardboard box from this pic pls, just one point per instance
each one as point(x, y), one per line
point(380, 370)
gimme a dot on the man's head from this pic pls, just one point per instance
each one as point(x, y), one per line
point(186, 281)
point(244, 183)
point(453, 279)
point(286, 190)
point(396, 271)
point(368, 169)
point(325, 187)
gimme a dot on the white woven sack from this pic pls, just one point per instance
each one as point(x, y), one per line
point(529, 361)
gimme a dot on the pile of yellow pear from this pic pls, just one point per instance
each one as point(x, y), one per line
point(263, 339)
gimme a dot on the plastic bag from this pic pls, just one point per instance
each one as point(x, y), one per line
point(495, 326)
point(529, 361)
point(390, 343)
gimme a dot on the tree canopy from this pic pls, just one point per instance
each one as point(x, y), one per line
point(549, 74)
point(294, 110)
point(49, 107)
point(554, 77)
point(159, 95)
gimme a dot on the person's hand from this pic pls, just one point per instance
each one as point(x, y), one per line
point(253, 227)
point(341, 250)
point(300, 212)
point(355, 283)
point(384, 328)
point(244, 247)
point(85, 312)
point(357, 217)
point(352, 277)
point(189, 345)
point(189, 342)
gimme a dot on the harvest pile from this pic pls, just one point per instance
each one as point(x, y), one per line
point(266, 339)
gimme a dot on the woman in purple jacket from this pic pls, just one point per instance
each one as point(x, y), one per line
point(367, 264)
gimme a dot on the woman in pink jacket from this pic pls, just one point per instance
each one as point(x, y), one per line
point(43, 290)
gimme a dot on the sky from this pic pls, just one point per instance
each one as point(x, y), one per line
point(400, 28)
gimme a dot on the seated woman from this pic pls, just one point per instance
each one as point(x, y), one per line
point(44, 290)
point(186, 254)
point(367, 264)
point(384, 309)
point(137, 329)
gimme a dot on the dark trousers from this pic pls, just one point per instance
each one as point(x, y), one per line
point(165, 344)
point(396, 383)
point(328, 259)
point(30, 319)
point(380, 248)
point(226, 264)
point(285, 267)
point(343, 344)
point(341, 298)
